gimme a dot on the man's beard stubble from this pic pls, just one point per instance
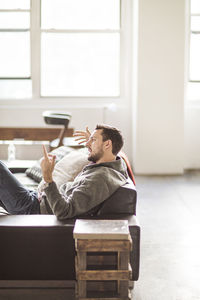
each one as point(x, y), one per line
point(95, 157)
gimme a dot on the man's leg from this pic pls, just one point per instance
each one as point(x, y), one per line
point(15, 197)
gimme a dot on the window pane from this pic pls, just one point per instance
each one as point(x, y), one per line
point(195, 23)
point(80, 64)
point(13, 20)
point(14, 4)
point(195, 57)
point(195, 6)
point(15, 54)
point(15, 89)
point(79, 14)
point(193, 90)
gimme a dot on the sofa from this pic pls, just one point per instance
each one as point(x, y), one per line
point(41, 247)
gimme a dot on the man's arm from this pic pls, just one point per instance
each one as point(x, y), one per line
point(82, 199)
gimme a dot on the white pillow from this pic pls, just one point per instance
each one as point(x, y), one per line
point(70, 166)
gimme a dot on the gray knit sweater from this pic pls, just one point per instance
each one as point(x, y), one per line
point(91, 187)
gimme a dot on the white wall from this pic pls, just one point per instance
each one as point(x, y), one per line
point(150, 111)
point(160, 101)
point(29, 114)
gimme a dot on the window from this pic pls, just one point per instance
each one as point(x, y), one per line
point(194, 57)
point(59, 48)
point(80, 47)
point(15, 74)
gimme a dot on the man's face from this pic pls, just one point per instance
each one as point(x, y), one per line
point(95, 146)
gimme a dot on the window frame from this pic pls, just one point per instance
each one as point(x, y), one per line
point(36, 100)
point(17, 30)
point(192, 87)
point(36, 41)
point(190, 34)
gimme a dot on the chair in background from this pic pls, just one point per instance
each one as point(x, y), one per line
point(57, 118)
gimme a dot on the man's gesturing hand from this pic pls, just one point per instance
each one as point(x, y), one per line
point(82, 136)
point(47, 165)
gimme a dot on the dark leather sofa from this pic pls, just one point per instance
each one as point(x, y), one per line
point(40, 247)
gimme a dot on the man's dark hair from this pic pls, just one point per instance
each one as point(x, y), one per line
point(113, 134)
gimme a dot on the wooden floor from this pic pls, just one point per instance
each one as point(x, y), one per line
point(169, 213)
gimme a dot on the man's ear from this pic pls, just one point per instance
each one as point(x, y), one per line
point(108, 144)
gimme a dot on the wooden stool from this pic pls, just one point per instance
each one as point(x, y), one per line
point(102, 261)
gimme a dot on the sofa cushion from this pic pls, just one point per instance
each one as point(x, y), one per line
point(35, 171)
point(2, 210)
point(28, 182)
point(69, 166)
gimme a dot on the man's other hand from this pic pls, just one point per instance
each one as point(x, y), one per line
point(82, 136)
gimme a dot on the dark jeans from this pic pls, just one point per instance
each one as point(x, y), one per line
point(14, 197)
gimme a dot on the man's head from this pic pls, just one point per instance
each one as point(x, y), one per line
point(104, 143)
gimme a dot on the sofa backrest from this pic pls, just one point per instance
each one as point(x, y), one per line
point(123, 201)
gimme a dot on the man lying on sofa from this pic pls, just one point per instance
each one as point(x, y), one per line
point(105, 173)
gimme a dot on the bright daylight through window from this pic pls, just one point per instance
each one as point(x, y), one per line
point(79, 48)
point(15, 76)
point(194, 58)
